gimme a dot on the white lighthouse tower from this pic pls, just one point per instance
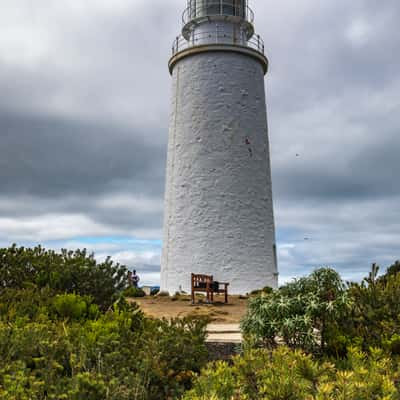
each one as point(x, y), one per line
point(218, 201)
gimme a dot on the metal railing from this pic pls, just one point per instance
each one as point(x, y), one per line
point(217, 37)
point(217, 7)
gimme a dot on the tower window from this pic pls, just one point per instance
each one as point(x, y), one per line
point(201, 8)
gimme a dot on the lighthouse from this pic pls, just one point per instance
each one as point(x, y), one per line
point(218, 215)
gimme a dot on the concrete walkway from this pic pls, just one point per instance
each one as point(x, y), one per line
point(224, 333)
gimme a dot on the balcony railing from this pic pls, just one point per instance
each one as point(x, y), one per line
point(217, 37)
point(201, 9)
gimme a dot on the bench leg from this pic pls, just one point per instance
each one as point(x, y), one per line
point(226, 296)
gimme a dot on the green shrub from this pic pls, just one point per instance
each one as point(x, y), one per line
point(303, 313)
point(374, 318)
point(68, 271)
point(72, 306)
point(120, 355)
point(134, 292)
point(265, 290)
point(29, 303)
point(284, 374)
point(320, 314)
point(394, 269)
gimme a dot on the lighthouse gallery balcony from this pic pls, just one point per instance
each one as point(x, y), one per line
point(215, 23)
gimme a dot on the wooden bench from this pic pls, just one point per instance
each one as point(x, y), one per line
point(206, 283)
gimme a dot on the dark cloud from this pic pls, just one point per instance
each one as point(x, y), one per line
point(47, 156)
point(356, 173)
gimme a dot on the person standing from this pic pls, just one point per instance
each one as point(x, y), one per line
point(135, 279)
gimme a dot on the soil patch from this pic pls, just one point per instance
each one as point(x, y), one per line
point(181, 306)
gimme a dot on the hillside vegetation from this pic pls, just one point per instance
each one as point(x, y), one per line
point(67, 332)
point(316, 338)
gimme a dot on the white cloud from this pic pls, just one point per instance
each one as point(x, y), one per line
point(139, 204)
point(133, 258)
point(49, 227)
point(359, 31)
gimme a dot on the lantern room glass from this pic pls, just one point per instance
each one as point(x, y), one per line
point(202, 8)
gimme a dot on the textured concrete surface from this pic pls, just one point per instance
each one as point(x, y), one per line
point(223, 328)
point(218, 202)
point(224, 333)
point(224, 338)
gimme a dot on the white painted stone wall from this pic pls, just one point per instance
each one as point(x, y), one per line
point(218, 202)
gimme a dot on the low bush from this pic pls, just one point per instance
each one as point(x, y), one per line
point(74, 307)
point(65, 333)
point(303, 314)
point(118, 355)
point(265, 290)
point(322, 315)
point(28, 303)
point(374, 318)
point(285, 374)
point(65, 272)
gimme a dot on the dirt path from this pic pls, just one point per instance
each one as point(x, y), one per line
point(181, 306)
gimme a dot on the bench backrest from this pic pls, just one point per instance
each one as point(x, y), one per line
point(198, 279)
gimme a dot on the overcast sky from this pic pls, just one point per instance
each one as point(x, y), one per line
point(84, 105)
